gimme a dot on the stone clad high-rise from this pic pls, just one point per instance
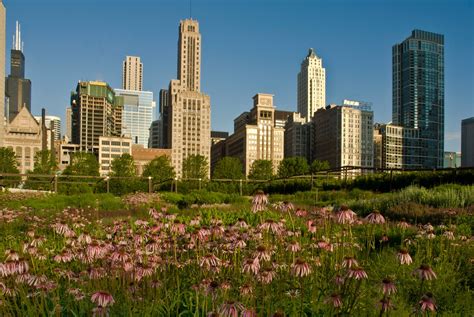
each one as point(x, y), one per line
point(311, 85)
point(189, 118)
point(418, 98)
point(132, 73)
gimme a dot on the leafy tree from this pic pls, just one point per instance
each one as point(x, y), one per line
point(45, 163)
point(160, 169)
point(195, 166)
point(8, 162)
point(261, 170)
point(123, 166)
point(228, 168)
point(317, 166)
point(293, 166)
point(83, 163)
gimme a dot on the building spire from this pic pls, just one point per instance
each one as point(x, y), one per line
point(17, 43)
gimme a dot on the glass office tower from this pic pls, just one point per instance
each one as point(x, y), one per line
point(138, 114)
point(418, 98)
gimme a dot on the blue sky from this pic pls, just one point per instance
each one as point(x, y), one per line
point(249, 46)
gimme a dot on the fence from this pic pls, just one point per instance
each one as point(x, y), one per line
point(119, 185)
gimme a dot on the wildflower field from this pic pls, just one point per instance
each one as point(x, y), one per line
point(140, 255)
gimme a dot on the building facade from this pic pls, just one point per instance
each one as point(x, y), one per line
point(110, 148)
point(378, 145)
point(53, 123)
point(189, 120)
point(343, 136)
point(132, 73)
point(452, 159)
point(142, 156)
point(392, 146)
point(156, 134)
point(297, 137)
point(311, 85)
point(467, 142)
point(164, 105)
point(69, 123)
point(96, 112)
point(418, 97)
point(2, 71)
point(137, 115)
point(17, 87)
point(255, 136)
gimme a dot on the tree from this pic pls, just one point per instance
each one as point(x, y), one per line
point(160, 169)
point(317, 166)
point(84, 164)
point(261, 170)
point(292, 166)
point(8, 162)
point(228, 168)
point(123, 166)
point(45, 163)
point(195, 166)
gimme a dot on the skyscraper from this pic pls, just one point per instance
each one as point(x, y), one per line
point(54, 124)
point(137, 115)
point(132, 73)
point(467, 142)
point(18, 88)
point(96, 112)
point(418, 98)
point(189, 120)
point(311, 85)
point(69, 123)
point(2, 71)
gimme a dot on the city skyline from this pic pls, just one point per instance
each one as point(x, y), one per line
point(266, 69)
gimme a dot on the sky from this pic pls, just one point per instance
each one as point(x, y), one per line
point(249, 47)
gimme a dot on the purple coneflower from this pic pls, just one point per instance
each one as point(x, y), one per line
point(357, 273)
point(259, 201)
point(349, 262)
point(388, 286)
point(102, 299)
point(449, 235)
point(312, 227)
point(427, 303)
point(246, 290)
point(334, 300)
point(251, 266)
point(345, 215)
point(266, 276)
point(375, 217)
point(425, 272)
point(241, 224)
point(272, 226)
point(301, 212)
point(11, 255)
point(249, 313)
point(300, 268)
point(404, 257)
point(385, 304)
point(293, 246)
point(64, 257)
point(230, 309)
point(263, 253)
point(210, 261)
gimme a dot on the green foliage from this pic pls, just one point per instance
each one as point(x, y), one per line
point(317, 166)
point(261, 170)
point(84, 164)
point(292, 166)
point(123, 166)
point(228, 168)
point(45, 163)
point(195, 166)
point(160, 169)
point(8, 162)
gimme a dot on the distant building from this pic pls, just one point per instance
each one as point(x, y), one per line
point(2, 72)
point(311, 85)
point(142, 156)
point(17, 87)
point(164, 105)
point(65, 151)
point(110, 148)
point(137, 115)
point(256, 136)
point(132, 74)
point(218, 139)
point(54, 124)
point(467, 142)
point(69, 123)
point(189, 120)
point(343, 136)
point(378, 146)
point(392, 146)
point(297, 137)
point(155, 134)
point(218, 136)
point(418, 98)
point(452, 159)
point(96, 112)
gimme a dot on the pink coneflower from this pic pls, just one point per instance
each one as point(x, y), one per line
point(349, 262)
point(403, 225)
point(286, 206)
point(384, 238)
point(345, 215)
point(77, 294)
point(65, 256)
point(120, 255)
point(293, 246)
point(263, 253)
point(272, 226)
point(178, 228)
point(427, 303)
point(230, 309)
point(334, 300)
point(209, 261)
point(312, 226)
point(448, 235)
point(338, 280)
point(301, 212)
point(246, 290)
point(266, 276)
point(61, 228)
point(241, 224)
point(357, 273)
point(375, 217)
point(300, 268)
point(385, 304)
point(259, 201)
point(11, 255)
point(240, 243)
point(404, 257)
point(10, 267)
point(249, 313)
point(102, 298)
point(388, 287)
point(251, 266)
point(425, 272)
point(210, 287)
point(195, 221)
point(327, 246)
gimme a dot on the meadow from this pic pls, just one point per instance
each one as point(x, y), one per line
point(326, 253)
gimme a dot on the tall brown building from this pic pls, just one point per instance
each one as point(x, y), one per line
point(96, 112)
point(189, 118)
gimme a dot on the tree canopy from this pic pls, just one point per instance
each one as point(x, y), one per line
point(160, 169)
point(123, 166)
point(261, 170)
point(317, 166)
point(83, 163)
point(228, 168)
point(195, 166)
point(293, 166)
point(8, 162)
point(45, 163)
